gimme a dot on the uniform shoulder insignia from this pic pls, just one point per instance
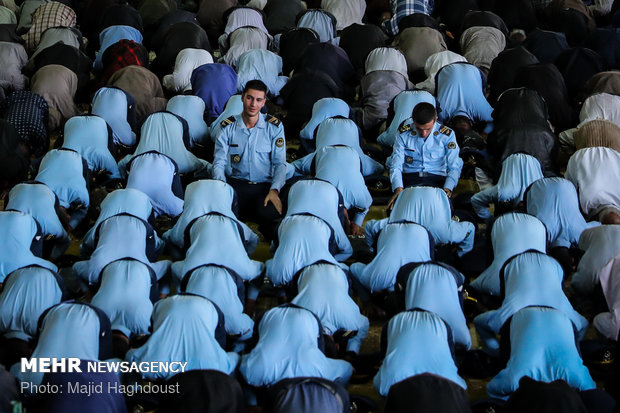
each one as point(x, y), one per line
point(451, 145)
point(227, 121)
point(445, 130)
point(404, 127)
point(274, 120)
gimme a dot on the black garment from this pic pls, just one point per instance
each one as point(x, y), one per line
point(301, 93)
point(89, 16)
point(69, 57)
point(8, 33)
point(307, 395)
point(452, 12)
point(555, 397)
point(577, 65)
point(429, 394)
point(484, 19)
point(281, 15)
point(504, 69)
point(28, 113)
point(547, 80)
point(417, 20)
point(156, 40)
point(180, 36)
point(121, 15)
point(606, 42)
point(427, 179)
point(203, 391)
point(210, 16)
point(536, 141)
point(8, 390)
point(293, 44)
point(518, 107)
point(14, 162)
point(545, 45)
point(517, 14)
point(333, 61)
point(251, 201)
point(573, 18)
point(358, 40)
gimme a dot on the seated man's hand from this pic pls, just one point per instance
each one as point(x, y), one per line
point(274, 197)
point(356, 230)
point(448, 192)
point(397, 191)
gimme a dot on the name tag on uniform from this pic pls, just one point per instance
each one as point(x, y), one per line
point(234, 145)
point(235, 158)
point(408, 159)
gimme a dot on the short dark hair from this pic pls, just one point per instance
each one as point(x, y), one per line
point(255, 85)
point(423, 113)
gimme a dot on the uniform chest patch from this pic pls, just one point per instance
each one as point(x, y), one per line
point(409, 159)
point(235, 158)
point(280, 142)
point(452, 145)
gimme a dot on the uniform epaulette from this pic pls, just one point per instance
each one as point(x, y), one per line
point(274, 120)
point(227, 121)
point(445, 130)
point(404, 127)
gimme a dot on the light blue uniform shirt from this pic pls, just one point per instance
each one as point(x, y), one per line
point(63, 172)
point(19, 230)
point(122, 201)
point(114, 34)
point(404, 103)
point(120, 236)
point(430, 208)
point(111, 104)
point(163, 132)
point(555, 202)
point(68, 330)
point(321, 199)
point(234, 106)
point(124, 295)
point(26, 295)
point(215, 239)
point(339, 132)
point(542, 347)
point(460, 93)
point(256, 155)
point(304, 240)
point(511, 234)
point(324, 290)
point(217, 284)
point(192, 109)
point(531, 279)
point(434, 288)
point(417, 342)
point(262, 65)
point(88, 136)
point(184, 330)
point(518, 172)
point(39, 201)
point(399, 243)
point(205, 197)
point(324, 109)
point(288, 348)
point(437, 154)
point(153, 173)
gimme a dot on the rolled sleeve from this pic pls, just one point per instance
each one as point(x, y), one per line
point(481, 201)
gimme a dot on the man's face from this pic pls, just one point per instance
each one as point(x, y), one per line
point(253, 102)
point(423, 130)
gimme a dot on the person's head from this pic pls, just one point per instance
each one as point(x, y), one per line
point(424, 117)
point(254, 97)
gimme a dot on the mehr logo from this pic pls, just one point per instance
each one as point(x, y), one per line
point(51, 365)
point(72, 365)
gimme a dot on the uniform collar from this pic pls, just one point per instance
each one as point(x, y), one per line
point(260, 124)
